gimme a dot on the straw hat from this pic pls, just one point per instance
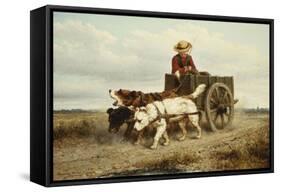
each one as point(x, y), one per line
point(182, 46)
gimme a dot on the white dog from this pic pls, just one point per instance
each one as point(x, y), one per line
point(178, 107)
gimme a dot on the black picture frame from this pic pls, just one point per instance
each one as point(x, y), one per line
point(41, 93)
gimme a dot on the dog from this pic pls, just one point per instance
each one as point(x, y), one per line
point(123, 115)
point(135, 99)
point(153, 114)
point(117, 117)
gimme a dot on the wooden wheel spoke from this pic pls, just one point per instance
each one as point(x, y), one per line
point(222, 120)
point(213, 101)
point(224, 98)
point(227, 100)
point(215, 98)
point(216, 117)
point(227, 105)
point(217, 93)
point(224, 94)
point(227, 114)
point(213, 110)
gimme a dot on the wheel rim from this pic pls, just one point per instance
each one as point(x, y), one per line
point(219, 106)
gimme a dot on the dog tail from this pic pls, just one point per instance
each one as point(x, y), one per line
point(199, 89)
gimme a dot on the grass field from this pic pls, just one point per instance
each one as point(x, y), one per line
point(83, 148)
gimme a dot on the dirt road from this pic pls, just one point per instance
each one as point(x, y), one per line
point(243, 146)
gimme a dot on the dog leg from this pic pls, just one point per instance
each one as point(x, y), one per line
point(128, 131)
point(166, 137)
point(182, 125)
point(139, 137)
point(160, 130)
point(194, 119)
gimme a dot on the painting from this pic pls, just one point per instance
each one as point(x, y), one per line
point(136, 95)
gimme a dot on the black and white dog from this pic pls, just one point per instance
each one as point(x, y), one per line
point(181, 108)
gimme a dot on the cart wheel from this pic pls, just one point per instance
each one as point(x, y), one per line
point(219, 106)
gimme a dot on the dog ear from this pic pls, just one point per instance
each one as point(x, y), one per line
point(142, 100)
point(109, 111)
point(143, 109)
point(133, 93)
point(139, 93)
point(132, 108)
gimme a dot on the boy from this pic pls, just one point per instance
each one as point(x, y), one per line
point(182, 63)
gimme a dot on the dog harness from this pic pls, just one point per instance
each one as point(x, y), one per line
point(168, 116)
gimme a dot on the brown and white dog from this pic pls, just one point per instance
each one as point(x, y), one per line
point(135, 99)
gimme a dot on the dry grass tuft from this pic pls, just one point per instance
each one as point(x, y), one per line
point(73, 128)
point(168, 163)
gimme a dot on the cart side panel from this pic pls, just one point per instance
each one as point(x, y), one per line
point(187, 85)
point(212, 80)
point(229, 82)
point(220, 79)
point(170, 82)
point(190, 82)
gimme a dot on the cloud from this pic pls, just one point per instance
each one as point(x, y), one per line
point(89, 60)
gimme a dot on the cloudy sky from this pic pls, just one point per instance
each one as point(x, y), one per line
point(95, 53)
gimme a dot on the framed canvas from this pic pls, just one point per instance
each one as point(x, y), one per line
point(125, 95)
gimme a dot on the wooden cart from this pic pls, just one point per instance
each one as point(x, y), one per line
point(217, 102)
